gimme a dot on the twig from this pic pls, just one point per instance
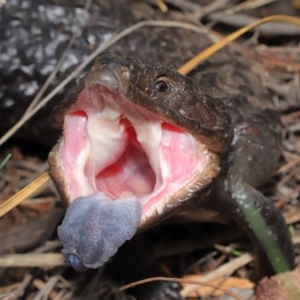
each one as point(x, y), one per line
point(281, 202)
point(288, 166)
point(49, 260)
point(49, 245)
point(47, 288)
point(222, 271)
point(162, 6)
point(213, 6)
point(22, 287)
point(199, 262)
point(193, 283)
point(185, 5)
point(241, 20)
point(5, 160)
point(246, 5)
point(24, 193)
point(190, 65)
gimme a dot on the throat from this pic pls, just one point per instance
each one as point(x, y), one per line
point(131, 175)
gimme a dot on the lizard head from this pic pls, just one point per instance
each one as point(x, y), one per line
point(139, 141)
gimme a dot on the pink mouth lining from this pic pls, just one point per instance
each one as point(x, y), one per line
point(114, 148)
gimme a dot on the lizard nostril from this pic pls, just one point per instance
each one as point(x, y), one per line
point(104, 76)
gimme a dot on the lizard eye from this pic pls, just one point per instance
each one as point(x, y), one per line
point(161, 86)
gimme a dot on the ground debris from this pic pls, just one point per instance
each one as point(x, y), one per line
point(284, 286)
point(35, 232)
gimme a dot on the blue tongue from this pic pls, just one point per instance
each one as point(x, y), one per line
point(94, 228)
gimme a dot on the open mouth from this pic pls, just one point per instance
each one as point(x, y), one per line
point(123, 163)
point(112, 147)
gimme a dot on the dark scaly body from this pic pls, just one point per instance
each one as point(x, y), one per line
point(226, 76)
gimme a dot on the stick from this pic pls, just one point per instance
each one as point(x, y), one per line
point(24, 193)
